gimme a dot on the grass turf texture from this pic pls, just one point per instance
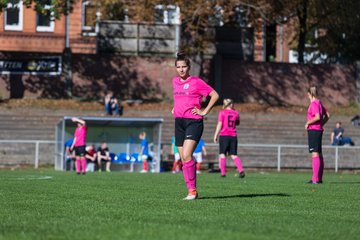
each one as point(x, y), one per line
point(46, 204)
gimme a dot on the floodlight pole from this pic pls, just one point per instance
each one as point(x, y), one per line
point(67, 55)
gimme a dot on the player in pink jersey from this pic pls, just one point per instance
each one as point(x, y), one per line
point(188, 94)
point(227, 121)
point(79, 144)
point(317, 116)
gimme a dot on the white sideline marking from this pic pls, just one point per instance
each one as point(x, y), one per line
point(35, 178)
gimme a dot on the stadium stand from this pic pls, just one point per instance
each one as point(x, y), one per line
point(259, 128)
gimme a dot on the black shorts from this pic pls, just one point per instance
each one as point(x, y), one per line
point(228, 145)
point(80, 151)
point(187, 128)
point(315, 141)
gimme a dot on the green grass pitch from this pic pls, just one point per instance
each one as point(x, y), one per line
point(45, 204)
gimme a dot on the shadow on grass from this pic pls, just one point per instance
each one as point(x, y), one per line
point(248, 196)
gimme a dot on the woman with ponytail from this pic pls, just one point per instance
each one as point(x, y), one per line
point(227, 121)
point(188, 94)
point(317, 116)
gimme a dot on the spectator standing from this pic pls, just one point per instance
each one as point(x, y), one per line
point(79, 145)
point(337, 136)
point(317, 117)
point(144, 152)
point(188, 94)
point(198, 154)
point(103, 156)
point(228, 119)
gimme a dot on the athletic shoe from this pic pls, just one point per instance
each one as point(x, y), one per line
point(78, 173)
point(191, 196)
point(319, 182)
point(173, 172)
point(222, 176)
point(143, 171)
point(198, 172)
point(242, 174)
point(311, 182)
point(83, 173)
point(99, 170)
point(108, 170)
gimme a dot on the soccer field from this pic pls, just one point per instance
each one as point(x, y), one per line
point(45, 204)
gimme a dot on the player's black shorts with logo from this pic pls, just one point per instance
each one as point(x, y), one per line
point(80, 151)
point(228, 145)
point(315, 140)
point(187, 128)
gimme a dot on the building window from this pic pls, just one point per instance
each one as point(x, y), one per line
point(14, 16)
point(45, 20)
point(167, 14)
point(88, 20)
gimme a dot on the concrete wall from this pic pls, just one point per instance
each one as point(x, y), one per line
point(138, 38)
point(286, 84)
point(150, 79)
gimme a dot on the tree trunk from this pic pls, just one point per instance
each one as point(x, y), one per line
point(302, 16)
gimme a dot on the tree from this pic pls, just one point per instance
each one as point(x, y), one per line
point(197, 16)
point(328, 28)
point(341, 31)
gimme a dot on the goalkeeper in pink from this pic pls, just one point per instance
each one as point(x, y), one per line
point(227, 121)
point(188, 94)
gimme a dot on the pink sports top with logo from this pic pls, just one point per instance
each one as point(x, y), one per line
point(80, 135)
point(316, 107)
point(187, 95)
point(229, 118)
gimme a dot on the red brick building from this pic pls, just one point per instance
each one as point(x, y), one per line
point(24, 30)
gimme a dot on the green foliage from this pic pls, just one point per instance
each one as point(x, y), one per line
point(335, 22)
point(123, 205)
point(114, 10)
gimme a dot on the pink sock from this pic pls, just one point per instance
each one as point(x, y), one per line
point(316, 168)
point(78, 165)
point(185, 173)
point(189, 170)
point(223, 166)
point(83, 165)
point(238, 164)
point(321, 171)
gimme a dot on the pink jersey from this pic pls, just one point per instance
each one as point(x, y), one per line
point(80, 135)
point(316, 107)
point(187, 95)
point(229, 119)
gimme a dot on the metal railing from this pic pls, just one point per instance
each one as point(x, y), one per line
point(36, 145)
point(278, 148)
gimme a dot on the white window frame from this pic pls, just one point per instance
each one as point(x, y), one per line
point(176, 10)
point(166, 15)
point(83, 15)
point(50, 28)
point(18, 27)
